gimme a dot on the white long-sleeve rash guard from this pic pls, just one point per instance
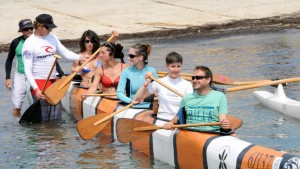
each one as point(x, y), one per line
point(38, 56)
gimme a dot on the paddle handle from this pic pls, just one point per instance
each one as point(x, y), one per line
point(166, 86)
point(56, 58)
point(112, 114)
point(233, 89)
point(100, 95)
point(176, 126)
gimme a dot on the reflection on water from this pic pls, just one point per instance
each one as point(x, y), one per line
point(243, 58)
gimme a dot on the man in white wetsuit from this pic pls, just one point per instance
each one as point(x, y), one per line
point(38, 57)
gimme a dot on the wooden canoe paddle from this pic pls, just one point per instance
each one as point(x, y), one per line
point(34, 113)
point(58, 90)
point(131, 130)
point(91, 126)
point(217, 78)
point(244, 87)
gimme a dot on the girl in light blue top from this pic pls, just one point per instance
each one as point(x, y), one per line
point(133, 77)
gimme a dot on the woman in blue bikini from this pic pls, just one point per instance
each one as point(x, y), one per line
point(89, 44)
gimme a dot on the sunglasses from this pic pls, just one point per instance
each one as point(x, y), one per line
point(49, 29)
point(27, 29)
point(198, 77)
point(132, 56)
point(88, 41)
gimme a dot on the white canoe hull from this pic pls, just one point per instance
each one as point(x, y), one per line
point(278, 101)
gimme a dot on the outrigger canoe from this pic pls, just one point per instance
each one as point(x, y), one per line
point(278, 101)
point(181, 148)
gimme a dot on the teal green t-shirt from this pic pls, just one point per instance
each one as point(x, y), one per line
point(204, 108)
point(20, 68)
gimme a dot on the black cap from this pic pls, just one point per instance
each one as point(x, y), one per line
point(46, 19)
point(25, 23)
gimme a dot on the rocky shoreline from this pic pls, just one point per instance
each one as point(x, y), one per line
point(247, 26)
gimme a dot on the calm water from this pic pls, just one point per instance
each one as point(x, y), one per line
point(243, 58)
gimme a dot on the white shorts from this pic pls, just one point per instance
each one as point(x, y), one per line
point(19, 89)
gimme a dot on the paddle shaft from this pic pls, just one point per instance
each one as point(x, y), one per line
point(181, 74)
point(176, 126)
point(189, 78)
point(249, 82)
point(56, 58)
point(166, 86)
point(233, 89)
point(112, 114)
point(86, 62)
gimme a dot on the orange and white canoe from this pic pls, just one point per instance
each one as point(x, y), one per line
point(183, 148)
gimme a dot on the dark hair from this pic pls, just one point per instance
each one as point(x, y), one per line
point(207, 72)
point(173, 57)
point(93, 36)
point(143, 49)
point(36, 24)
point(115, 50)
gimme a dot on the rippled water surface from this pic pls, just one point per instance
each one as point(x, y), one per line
point(243, 58)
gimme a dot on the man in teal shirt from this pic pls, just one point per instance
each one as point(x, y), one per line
point(204, 105)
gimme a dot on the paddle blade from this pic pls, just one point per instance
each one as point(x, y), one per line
point(53, 95)
point(87, 129)
point(222, 80)
point(235, 122)
point(33, 114)
point(125, 131)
